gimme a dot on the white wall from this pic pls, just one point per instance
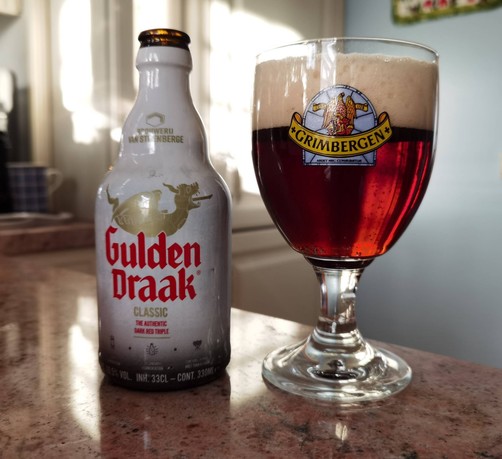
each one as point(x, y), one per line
point(440, 287)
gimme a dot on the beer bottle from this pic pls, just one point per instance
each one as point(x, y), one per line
point(163, 235)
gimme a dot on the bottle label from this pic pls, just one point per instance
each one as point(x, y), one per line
point(163, 287)
point(155, 131)
point(141, 213)
point(180, 260)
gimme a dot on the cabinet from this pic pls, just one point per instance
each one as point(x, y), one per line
point(270, 278)
point(10, 7)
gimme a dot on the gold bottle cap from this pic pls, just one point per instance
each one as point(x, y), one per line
point(164, 37)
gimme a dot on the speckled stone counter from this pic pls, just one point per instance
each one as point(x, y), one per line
point(54, 401)
point(15, 241)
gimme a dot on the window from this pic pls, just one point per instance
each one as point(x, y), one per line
point(81, 132)
point(226, 37)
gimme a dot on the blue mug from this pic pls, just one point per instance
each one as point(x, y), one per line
point(31, 186)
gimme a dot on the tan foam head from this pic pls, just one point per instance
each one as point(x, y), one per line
point(405, 88)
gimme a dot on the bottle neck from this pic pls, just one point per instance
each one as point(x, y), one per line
point(163, 69)
point(163, 117)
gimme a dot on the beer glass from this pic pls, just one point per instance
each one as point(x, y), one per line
point(343, 148)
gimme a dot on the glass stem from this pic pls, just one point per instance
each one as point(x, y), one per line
point(336, 340)
point(338, 299)
point(335, 361)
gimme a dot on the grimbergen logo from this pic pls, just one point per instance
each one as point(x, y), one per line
point(340, 127)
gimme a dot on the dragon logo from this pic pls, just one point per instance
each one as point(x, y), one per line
point(141, 212)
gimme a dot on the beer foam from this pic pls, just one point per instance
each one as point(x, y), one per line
point(403, 87)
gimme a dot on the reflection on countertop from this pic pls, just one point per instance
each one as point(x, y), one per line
point(82, 260)
point(21, 220)
point(55, 402)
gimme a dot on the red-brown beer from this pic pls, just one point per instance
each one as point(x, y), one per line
point(343, 211)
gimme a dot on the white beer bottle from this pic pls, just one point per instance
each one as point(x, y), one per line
point(163, 236)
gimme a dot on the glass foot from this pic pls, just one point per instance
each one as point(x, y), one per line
point(300, 369)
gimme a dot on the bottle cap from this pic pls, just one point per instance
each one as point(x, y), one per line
point(164, 37)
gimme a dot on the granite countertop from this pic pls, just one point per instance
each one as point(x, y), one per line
point(55, 402)
point(35, 238)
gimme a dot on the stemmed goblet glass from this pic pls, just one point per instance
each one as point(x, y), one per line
point(343, 148)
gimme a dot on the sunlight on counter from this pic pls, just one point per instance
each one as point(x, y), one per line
point(82, 353)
